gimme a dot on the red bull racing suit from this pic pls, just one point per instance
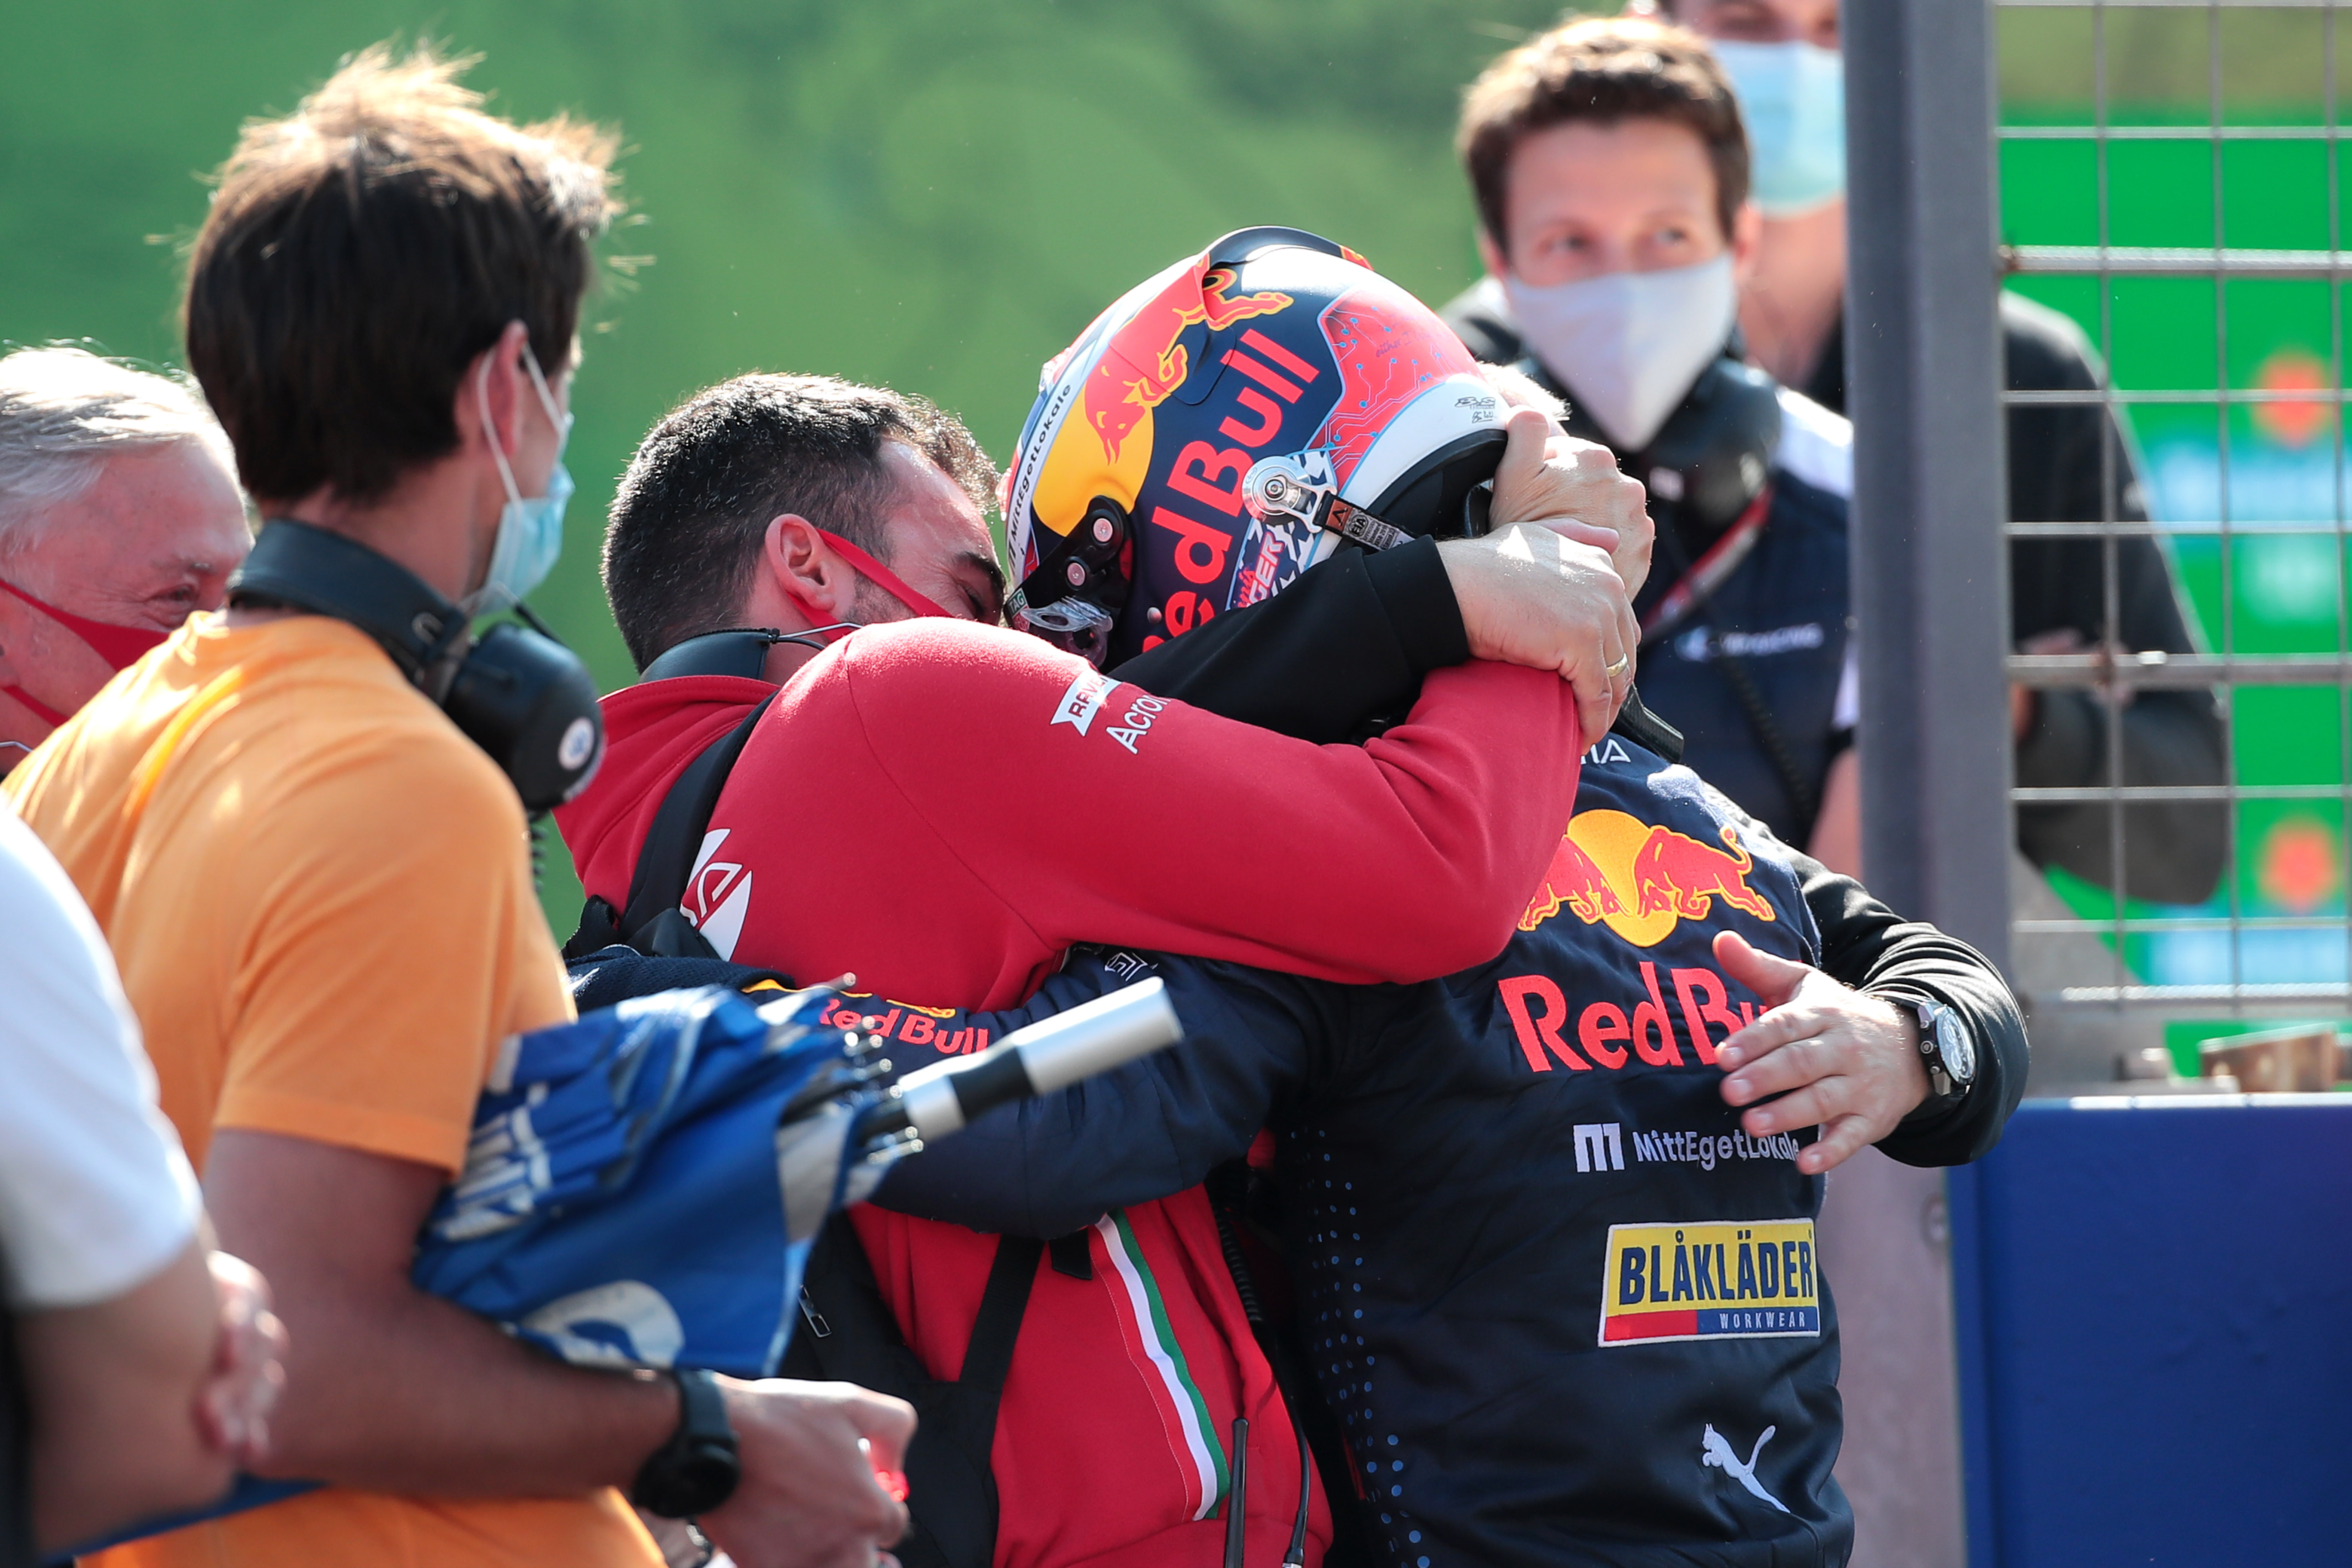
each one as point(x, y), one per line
point(1565, 1310)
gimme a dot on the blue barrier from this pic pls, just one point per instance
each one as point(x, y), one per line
point(2153, 1307)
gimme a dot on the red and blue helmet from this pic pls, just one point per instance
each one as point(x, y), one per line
point(1227, 423)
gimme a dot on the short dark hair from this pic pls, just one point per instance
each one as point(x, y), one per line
point(691, 514)
point(362, 250)
point(1606, 69)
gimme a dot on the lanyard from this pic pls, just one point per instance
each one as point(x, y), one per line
point(1699, 583)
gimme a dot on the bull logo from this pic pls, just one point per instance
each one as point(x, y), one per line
point(1575, 881)
point(1642, 879)
point(1673, 872)
point(1145, 361)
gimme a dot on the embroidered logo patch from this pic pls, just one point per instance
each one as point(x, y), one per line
point(1738, 1280)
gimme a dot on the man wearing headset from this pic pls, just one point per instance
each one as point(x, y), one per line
point(319, 887)
point(1611, 168)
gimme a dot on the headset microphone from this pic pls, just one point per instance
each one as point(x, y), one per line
point(523, 697)
point(1714, 454)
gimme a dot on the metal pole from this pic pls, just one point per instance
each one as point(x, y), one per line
point(1930, 597)
point(1930, 579)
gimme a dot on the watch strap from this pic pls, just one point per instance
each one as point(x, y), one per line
point(698, 1469)
point(1941, 1085)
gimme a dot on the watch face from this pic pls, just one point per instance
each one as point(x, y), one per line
point(1953, 1044)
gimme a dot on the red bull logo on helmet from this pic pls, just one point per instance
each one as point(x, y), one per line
point(1642, 879)
point(1145, 359)
point(1090, 433)
point(1271, 342)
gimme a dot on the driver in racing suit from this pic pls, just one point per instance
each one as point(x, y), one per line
point(1551, 1217)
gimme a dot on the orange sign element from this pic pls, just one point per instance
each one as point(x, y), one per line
point(2292, 421)
point(1145, 362)
point(1642, 879)
point(2300, 864)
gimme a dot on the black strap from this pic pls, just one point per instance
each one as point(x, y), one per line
point(988, 1357)
point(850, 1335)
point(665, 860)
point(1074, 1255)
point(1640, 725)
point(15, 1455)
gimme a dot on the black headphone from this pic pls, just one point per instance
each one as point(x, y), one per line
point(523, 697)
point(1714, 453)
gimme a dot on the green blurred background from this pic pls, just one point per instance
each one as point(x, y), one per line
point(938, 195)
point(931, 194)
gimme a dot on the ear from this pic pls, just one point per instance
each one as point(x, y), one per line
point(1491, 254)
point(802, 576)
point(1747, 239)
point(493, 380)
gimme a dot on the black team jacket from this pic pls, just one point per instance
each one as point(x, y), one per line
point(1563, 1308)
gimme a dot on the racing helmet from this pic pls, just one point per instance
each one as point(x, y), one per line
point(1225, 425)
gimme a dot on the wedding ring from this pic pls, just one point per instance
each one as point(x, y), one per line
point(1625, 662)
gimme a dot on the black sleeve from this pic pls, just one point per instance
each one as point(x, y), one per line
point(1343, 647)
point(1866, 945)
point(2074, 464)
point(1048, 1166)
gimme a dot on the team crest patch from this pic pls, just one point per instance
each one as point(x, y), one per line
point(1643, 879)
point(1747, 1279)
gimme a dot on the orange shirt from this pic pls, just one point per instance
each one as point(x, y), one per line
point(319, 893)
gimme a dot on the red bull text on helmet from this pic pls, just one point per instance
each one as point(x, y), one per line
point(1125, 507)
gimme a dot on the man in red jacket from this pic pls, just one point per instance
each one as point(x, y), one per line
point(926, 804)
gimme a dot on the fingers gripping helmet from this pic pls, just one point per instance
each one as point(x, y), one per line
point(1227, 423)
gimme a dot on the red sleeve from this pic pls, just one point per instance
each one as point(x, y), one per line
point(1103, 814)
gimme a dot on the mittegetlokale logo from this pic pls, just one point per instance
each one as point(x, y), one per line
point(1708, 1149)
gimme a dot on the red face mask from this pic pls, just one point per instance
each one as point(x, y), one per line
point(119, 646)
point(874, 572)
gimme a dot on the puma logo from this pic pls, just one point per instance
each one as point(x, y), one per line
point(1714, 1450)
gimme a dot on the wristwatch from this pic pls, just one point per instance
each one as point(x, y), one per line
point(696, 1470)
point(1945, 1046)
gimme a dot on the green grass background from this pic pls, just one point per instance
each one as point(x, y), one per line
point(936, 194)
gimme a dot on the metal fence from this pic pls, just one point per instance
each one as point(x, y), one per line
point(2122, 122)
point(2167, 174)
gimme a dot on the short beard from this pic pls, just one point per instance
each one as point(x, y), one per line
point(870, 605)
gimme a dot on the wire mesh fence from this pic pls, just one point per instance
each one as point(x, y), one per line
point(2170, 178)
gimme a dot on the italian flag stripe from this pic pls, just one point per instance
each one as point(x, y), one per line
point(1151, 1342)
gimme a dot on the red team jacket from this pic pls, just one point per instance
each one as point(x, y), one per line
point(945, 809)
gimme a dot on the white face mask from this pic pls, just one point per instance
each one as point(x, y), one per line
point(1629, 345)
point(1792, 96)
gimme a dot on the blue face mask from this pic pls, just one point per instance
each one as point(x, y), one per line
point(530, 528)
point(1792, 96)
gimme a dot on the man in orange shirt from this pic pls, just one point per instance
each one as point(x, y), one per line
point(319, 889)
